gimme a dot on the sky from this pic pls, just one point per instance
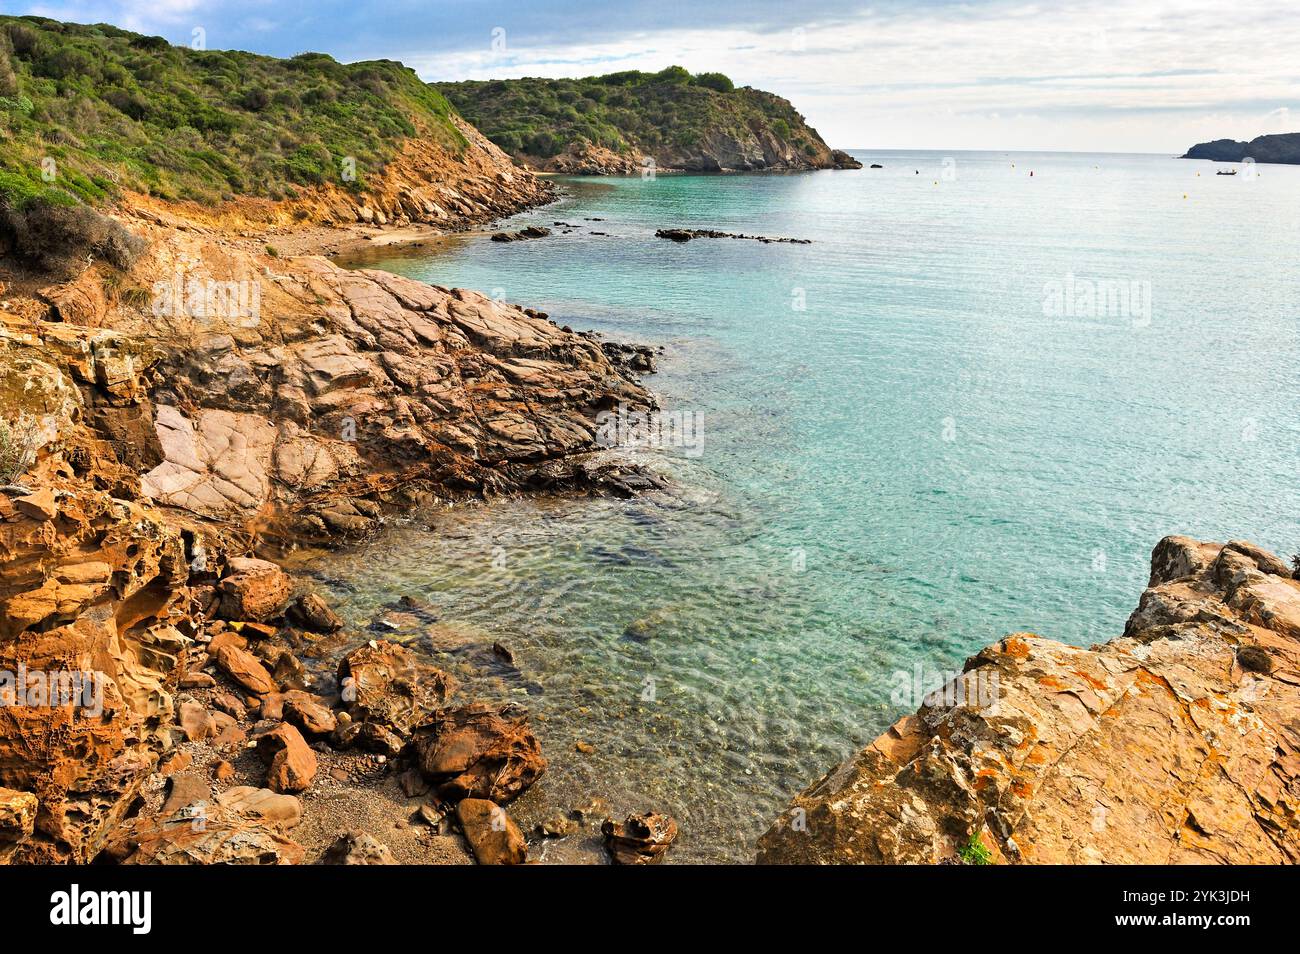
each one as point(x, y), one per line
point(1095, 75)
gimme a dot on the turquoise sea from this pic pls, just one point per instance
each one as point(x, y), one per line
point(919, 433)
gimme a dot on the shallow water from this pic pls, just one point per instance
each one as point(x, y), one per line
point(909, 448)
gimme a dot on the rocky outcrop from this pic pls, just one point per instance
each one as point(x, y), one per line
point(215, 399)
point(1174, 743)
point(582, 158)
point(685, 235)
point(387, 685)
point(478, 752)
point(357, 848)
point(1279, 148)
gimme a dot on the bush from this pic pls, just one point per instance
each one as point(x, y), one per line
point(715, 81)
point(18, 448)
point(55, 232)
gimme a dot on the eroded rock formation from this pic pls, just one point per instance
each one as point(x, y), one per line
point(184, 413)
point(1177, 742)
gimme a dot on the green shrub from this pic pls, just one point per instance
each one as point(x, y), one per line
point(173, 122)
point(974, 852)
point(715, 81)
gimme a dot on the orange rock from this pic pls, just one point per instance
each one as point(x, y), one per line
point(292, 762)
point(244, 668)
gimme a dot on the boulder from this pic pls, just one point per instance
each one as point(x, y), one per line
point(308, 712)
point(478, 752)
point(641, 839)
point(387, 684)
point(357, 848)
point(312, 613)
point(214, 835)
point(253, 590)
point(243, 668)
point(492, 834)
point(292, 763)
point(282, 811)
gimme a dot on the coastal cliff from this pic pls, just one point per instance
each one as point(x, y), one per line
point(614, 124)
point(1174, 743)
point(1280, 148)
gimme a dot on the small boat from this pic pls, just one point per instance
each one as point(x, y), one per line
point(1226, 172)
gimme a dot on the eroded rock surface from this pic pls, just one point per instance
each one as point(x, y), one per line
point(1178, 742)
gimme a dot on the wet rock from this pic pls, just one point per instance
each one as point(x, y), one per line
point(492, 834)
point(478, 752)
point(312, 613)
point(640, 839)
point(357, 848)
point(292, 762)
point(685, 235)
point(385, 683)
point(253, 590)
point(531, 232)
point(196, 723)
point(557, 826)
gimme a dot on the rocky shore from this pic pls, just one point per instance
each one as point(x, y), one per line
point(1175, 743)
point(172, 428)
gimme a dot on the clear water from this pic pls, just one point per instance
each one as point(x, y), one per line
point(922, 459)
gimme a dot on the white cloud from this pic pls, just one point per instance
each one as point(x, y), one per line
point(1100, 75)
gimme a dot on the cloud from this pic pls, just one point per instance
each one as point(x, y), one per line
point(1101, 74)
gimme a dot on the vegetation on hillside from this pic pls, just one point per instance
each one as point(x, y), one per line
point(89, 111)
point(626, 112)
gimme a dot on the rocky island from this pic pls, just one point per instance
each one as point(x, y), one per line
point(1280, 148)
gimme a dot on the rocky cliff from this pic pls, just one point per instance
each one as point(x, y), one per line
point(1280, 148)
point(615, 124)
point(1175, 743)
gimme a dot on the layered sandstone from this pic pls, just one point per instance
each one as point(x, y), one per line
point(1177, 742)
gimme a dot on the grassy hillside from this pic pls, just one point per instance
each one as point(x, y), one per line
point(115, 110)
point(660, 114)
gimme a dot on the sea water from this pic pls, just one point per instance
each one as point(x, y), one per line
point(970, 407)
